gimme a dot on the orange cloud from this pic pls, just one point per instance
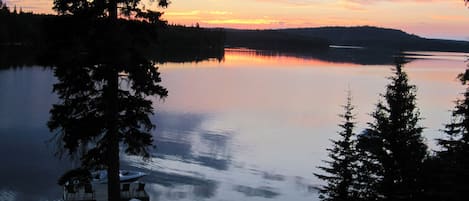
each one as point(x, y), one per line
point(216, 12)
point(419, 1)
point(243, 21)
point(452, 18)
point(42, 6)
point(183, 13)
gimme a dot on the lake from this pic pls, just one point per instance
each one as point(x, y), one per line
point(253, 126)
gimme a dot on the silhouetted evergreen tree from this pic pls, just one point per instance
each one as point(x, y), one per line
point(341, 170)
point(393, 144)
point(446, 174)
point(367, 174)
point(100, 8)
point(4, 8)
point(452, 162)
point(96, 112)
point(4, 12)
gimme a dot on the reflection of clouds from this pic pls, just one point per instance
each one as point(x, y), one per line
point(182, 136)
point(304, 186)
point(170, 185)
point(213, 142)
point(193, 160)
point(265, 192)
point(182, 144)
point(175, 180)
point(7, 195)
point(300, 185)
point(272, 176)
point(180, 192)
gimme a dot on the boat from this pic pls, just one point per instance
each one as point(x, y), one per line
point(124, 176)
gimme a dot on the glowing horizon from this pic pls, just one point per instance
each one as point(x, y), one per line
point(428, 18)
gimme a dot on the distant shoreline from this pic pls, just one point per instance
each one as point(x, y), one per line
point(358, 36)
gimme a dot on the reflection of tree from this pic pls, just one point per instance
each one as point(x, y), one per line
point(97, 111)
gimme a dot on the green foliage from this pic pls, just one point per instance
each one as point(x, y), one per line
point(393, 144)
point(341, 177)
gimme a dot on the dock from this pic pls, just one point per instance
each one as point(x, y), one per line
point(98, 192)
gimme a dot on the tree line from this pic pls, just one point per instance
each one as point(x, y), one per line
point(20, 27)
point(389, 160)
point(36, 34)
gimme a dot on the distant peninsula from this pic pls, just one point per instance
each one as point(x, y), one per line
point(316, 39)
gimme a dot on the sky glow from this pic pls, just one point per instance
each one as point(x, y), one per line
point(430, 18)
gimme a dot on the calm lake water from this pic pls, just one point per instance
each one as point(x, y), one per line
point(250, 127)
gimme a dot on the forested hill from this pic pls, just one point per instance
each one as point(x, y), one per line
point(363, 36)
point(278, 40)
point(26, 38)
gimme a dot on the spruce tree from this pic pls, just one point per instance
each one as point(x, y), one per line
point(393, 145)
point(448, 170)
point(452, 160)
point(4, 8)
point(342, 167)
point(96, 112)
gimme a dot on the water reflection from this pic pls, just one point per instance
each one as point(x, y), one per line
point(166, 184)
point(360, 56)
point(453, 56)
point(183, 137)
point(29, 171)
point(253, 127)
point(265, 192)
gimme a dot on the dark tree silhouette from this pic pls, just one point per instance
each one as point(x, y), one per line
point(341, 170)
point(445, 175)
point(101, 8)
point(393, 144)
point(96, 112)
point(452, 162)
point(4, 8)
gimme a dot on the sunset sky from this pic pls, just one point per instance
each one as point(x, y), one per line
point(430, 18)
